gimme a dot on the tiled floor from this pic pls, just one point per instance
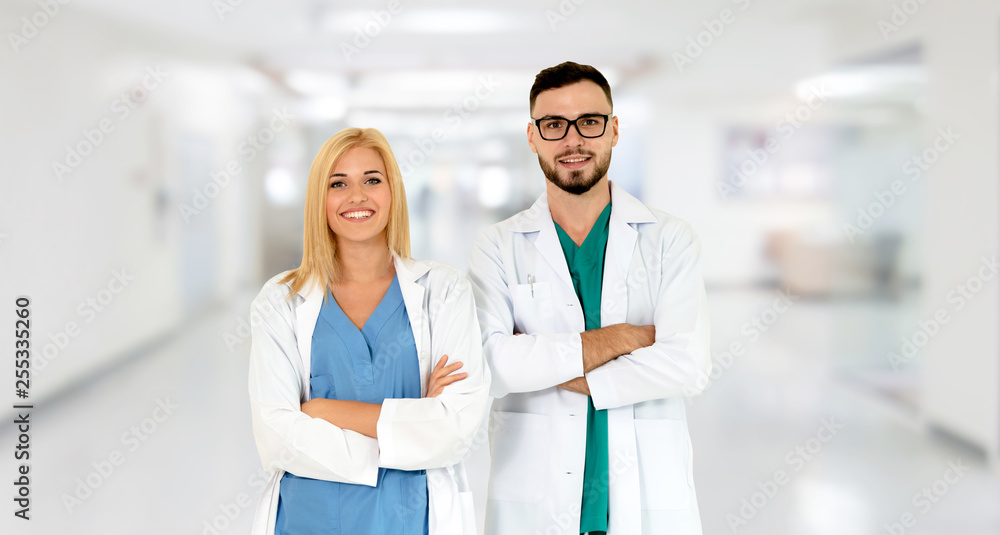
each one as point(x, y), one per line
point(189, 471)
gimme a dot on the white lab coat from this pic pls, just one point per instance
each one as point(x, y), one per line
point(413, 434)
point(652, 275)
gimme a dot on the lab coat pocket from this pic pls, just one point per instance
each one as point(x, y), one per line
point(321, 386)
point(663, 464)
point(533, 308)
point(519, 446)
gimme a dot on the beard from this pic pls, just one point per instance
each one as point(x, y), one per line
point(577, 182)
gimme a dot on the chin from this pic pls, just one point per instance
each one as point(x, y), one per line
point(577, 183)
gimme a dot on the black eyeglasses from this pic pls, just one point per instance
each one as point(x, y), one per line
point(554, 128)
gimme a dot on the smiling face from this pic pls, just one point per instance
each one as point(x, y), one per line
point(358, 198)
point(574, 163)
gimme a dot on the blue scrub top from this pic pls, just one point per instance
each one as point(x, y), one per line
point(371, 365)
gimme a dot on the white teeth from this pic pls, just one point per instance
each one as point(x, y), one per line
point(574, 160)
point(358, 215)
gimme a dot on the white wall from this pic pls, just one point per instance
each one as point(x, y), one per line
point(962, 218)
point(954, 209)
point(117, 211)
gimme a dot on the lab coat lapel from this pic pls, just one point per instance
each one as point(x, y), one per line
point(549, 247)
point(306, 315)
point(408, 272)
point(538, 219)
point(617, 258)
point(626, 211)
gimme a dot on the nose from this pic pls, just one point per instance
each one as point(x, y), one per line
point(357, 193)
point(573, 137)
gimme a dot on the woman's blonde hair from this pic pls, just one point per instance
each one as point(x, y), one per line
point(319, 245)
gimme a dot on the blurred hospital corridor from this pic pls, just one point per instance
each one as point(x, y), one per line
point(764, 414)
point(838, 159)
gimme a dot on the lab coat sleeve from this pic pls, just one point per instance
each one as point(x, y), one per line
point(520, 363)
point(434, 432)
point(678, 363)
point(288, 439)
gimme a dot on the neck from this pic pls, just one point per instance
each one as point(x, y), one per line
point(576, 214)
point(364, 262)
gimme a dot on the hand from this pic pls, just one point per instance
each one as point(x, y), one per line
point(356, 416)
point(312, 408)
point(440, 377)
point(608, 343)
point(578, 385)
point(645, 335)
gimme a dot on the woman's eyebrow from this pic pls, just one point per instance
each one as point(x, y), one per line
point(344, 175)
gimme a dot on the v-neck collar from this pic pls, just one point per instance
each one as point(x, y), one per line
point(593, 239)
point(336, 316)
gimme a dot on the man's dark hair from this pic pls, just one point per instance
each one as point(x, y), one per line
point(565, 74)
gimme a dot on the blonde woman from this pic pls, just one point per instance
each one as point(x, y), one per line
point(367, 380)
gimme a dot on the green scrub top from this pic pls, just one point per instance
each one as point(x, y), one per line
point(586, 267)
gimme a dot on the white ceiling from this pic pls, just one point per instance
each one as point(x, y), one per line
point(510, 34)
point(769, 47)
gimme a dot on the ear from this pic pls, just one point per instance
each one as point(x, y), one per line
point(614, 130)
point(531, 138)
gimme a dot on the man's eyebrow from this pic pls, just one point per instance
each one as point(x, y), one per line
point(581, 115)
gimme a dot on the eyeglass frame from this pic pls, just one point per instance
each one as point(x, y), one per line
point(607, 119)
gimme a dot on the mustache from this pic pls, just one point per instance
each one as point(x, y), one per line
point(579, 152)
